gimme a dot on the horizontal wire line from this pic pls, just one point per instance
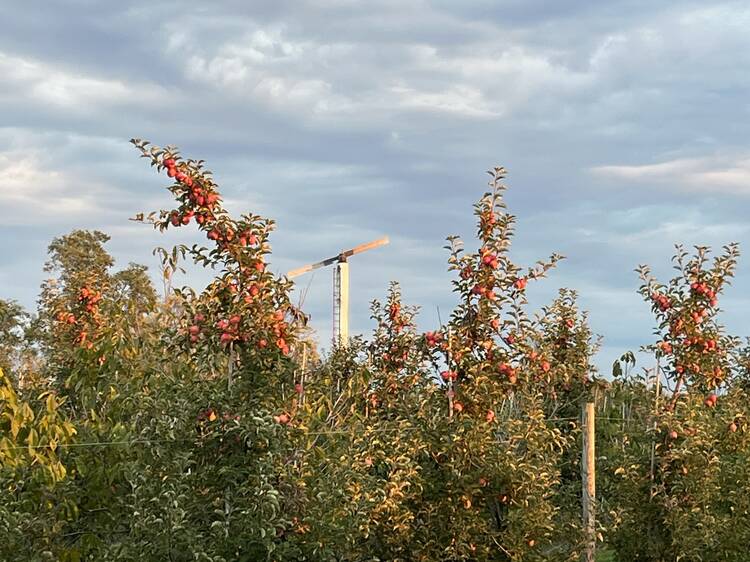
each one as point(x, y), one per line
point(332, 432)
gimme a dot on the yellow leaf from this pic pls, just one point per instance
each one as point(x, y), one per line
point(51, 405)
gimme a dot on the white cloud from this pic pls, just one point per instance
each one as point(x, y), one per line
point(364, 81)
point(49, 84)
point(706, 174)
point(458, 99)
point(31, 194)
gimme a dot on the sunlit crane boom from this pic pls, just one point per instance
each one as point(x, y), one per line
point(340, 285)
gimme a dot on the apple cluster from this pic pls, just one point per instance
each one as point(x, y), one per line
point(691, 340)
point(84, 318)
point(246, 306)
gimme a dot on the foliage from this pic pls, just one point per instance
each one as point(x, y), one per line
point(678, 489)
point(205, 426)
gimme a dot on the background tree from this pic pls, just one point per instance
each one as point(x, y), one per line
point(13, 320)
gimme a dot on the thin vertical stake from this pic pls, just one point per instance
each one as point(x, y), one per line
point(588, 476)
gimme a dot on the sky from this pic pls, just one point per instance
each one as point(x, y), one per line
point(624, 127)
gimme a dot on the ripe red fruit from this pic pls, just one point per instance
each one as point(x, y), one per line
point(199, 317)
point(226, 337)
point(458, 407)
point(732, 427)
point(490, 417)
point(260, 266)
point(495, 323)
point(449, 375)
point(520, 283)
point(169, 162)
point(673, 434)
point(545, 366)
point(175, 219)
point(214, 235)
point(171, 172)
point(235, 319)
point(180, 176)
point(194, 329)
point(298, 388)
point(569, 323)
point(262, 343)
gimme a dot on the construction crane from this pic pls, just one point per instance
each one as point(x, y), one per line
point(340, 285)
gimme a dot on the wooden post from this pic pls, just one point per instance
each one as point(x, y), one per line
point(588, 476)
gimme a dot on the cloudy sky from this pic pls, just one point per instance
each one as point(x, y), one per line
point(623, 124)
